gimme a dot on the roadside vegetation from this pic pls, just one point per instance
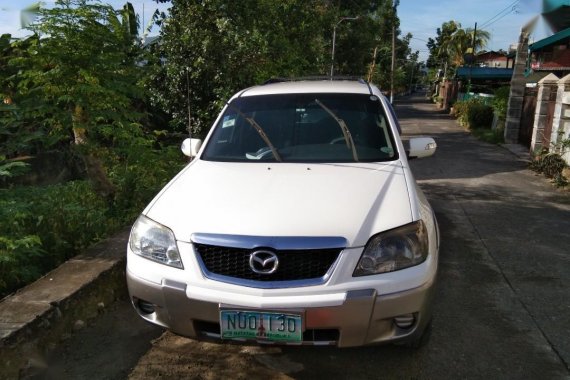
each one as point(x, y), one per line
point(86, 86)
point(484, 118)
point(551, 164)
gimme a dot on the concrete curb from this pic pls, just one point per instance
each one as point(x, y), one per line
point(522, 152)
point(35, 318)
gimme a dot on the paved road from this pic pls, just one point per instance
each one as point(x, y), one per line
point(502, 308)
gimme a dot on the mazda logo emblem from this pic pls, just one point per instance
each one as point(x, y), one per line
point(263, 262)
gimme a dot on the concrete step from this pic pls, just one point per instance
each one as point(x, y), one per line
point(36, 317)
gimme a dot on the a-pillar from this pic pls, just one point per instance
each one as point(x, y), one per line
point(546, 86)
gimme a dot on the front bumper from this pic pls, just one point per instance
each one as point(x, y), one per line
point(363, 318)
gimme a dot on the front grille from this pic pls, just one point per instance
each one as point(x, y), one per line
point(293, 264)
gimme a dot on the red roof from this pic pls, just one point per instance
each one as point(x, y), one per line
point(491, 55)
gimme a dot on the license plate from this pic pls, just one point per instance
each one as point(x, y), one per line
point(270, 326)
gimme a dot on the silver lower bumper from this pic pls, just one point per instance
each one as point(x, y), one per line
point(364, 318)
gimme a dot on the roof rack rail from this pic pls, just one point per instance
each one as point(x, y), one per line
point(315, 78)
point(320, 77)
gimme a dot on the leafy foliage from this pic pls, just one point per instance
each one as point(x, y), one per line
point(474, 114)
point(213, 48)
point(11, 168)
point(74, 85)
point(452, 43)
point(500, 101)
point(551, 163)
point(40, 227)
point(66, 71)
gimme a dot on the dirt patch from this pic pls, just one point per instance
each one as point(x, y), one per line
point(177, 357)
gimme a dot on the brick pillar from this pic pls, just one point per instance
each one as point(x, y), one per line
point(546, 86)
point(561, 120)
point(518, 83)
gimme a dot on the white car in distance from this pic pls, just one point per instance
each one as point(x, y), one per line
point(297, 222)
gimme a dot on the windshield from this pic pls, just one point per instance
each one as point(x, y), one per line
point(303, 128)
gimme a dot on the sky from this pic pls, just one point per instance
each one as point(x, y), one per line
point(502, 18)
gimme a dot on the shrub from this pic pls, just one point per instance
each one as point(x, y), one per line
point(479, 116)
point(43, 226)
point(40, 227)
point(473, 114)
point(549, 164)
point(552, 165)
point(500, 101)
point(460, 110)
point(141, 175)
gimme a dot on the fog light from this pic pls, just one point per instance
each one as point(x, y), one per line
point(145, 307)
point(405, 321)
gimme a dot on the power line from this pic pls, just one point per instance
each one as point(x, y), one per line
point(509, 9)
point(506, 14)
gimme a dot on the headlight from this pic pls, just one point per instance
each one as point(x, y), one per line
point(154, 242)
point(393, 250)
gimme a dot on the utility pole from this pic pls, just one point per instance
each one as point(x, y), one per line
point(472, 59)
point(373, 65)
point(412, 76)
point(473, 41)
point(188, 103)
point(393, 66)
point(334, 39)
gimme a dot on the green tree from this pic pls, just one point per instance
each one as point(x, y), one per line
point(462, 43)
point(388, 23)
point(439, 55)
point(78, 80)
point(17, 135)
point(452, 43)
point(356, 40)
point(213, 48)
point(210, 49)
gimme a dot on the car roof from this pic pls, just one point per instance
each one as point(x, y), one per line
point(310, 86)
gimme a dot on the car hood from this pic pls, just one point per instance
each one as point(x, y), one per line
point(353, 201)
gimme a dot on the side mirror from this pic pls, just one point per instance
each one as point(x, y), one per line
point(191, 147)
point(421, 147)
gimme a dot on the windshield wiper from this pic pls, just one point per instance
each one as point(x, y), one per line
point(259, 130)
point(345, 131)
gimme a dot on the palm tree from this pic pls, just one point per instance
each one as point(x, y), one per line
point(461, 42)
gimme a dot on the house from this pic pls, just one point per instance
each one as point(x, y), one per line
point(552, 54)
point(538, 114)
point(497, 59)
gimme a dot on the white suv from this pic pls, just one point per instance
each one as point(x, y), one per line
point(297, 222)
